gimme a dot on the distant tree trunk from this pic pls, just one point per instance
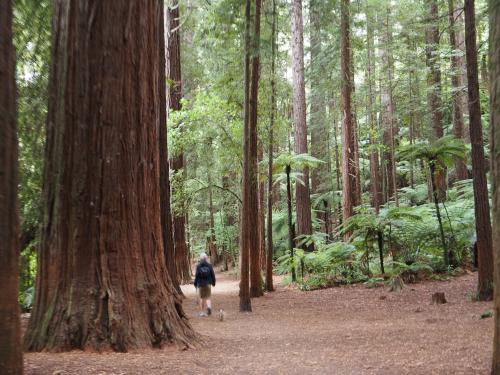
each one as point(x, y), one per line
point(494, 61)
point(211, 240)
point(462, 71)
point(102, 186)
point(434, 87)
point(304, 223)
point(11, 357)
point(255, 269)
point(248, 233)
point(376, 192)
point(348, 162)
point(291, 227)
point(174, 77)
point(456, 81)
point(270, 192)
point(320, 176)
point(481, 202)
point(166, 212)
point(337, 168)
point(262, 212)
point(387, 114)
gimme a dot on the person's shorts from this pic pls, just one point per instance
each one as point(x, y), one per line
point(205, 291)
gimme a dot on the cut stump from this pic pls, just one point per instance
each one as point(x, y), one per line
point(438, 298)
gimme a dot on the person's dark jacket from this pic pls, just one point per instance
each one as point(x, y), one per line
point(199, 278)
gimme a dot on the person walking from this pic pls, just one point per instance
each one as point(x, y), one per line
point(204, 279)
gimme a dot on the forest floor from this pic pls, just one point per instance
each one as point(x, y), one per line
point(342, 330)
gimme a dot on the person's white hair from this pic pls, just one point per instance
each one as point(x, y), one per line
point(203, 256)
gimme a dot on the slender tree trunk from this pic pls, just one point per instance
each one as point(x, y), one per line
point(348, 173)
point(166, 212)
point(304, 222)
point(387, 113)
point(320, 176)
point(102, 280)
point(248, 233)
point(376, 192)
point(456, 81)
point(435, 195)
point(494, 60)
point(380, 242)
point(481, 201)
point(270, 192)
point(262, 212)
point(291, 227)
point(212, 240)
point(11, 357)
point(462, 70)
point(174, 77)
point(434, 87)
point(337, 169)
point(254, 243)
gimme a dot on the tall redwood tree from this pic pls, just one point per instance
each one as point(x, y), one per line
point(481, 201)
point(102, 280)
point(177, 162)
point(304, 223)
point(11, 361)
point(494, 52)
point(348, 162)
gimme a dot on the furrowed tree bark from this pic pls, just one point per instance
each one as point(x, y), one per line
point(320, 176)
point(480, 184)
point(248, 234)
point(434, 93)
point(166, 210)
point(102, 281)
point(456, 81)
point(494, 61)
point(174, 77)
point(348, 173)
point(255, 242)
point(11, 358)
point(262, 211)
point(270, 193)
point(303, 199)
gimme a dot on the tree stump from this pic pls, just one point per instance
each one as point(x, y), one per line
point(396, 284)
point(438, 298)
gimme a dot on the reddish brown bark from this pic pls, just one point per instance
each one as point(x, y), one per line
point(177, 163)
point(102, 280)
point(434, 87)
point(481, 201)
point(11, 360)
point(303, 206)
point(494, 89)
point(270, 193)
point(248, 232)
point(255, 242)
point(456, 81)
point(348, 173)
point(166, 212)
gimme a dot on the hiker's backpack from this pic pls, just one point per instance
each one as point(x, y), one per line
point(205, 273)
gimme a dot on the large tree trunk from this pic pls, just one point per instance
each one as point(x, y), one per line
point(304, 223)
point(376, 192)
point(174, 76)
point(320, 176)
point(102, 280)
point(434, 87)
point(255, 269)
point(387, 113)
point(348, 162)
point(457, 83)
point(166, 212)
point(494, 59)
point(11, 360)
point(481, 202)
point(270, 190)
point(248, 232)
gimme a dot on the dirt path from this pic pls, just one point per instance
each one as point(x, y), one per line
point(346, 330)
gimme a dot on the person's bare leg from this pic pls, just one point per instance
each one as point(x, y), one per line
point(209, 306)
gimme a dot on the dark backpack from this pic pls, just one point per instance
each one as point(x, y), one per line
point(205, 273)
